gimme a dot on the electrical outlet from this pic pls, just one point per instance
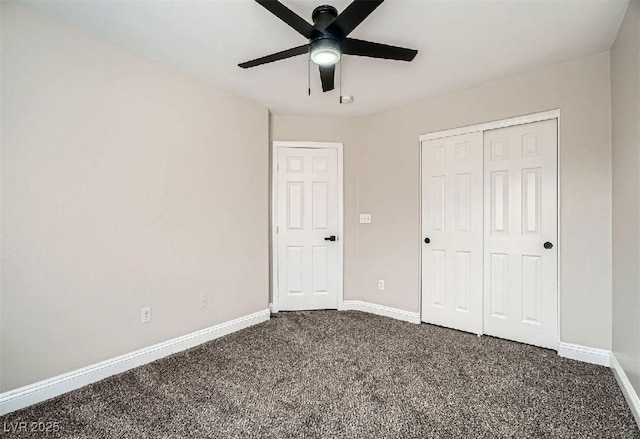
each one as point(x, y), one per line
point(381, 285)
point(365, 218)
point(145, 314)
point(204, 300)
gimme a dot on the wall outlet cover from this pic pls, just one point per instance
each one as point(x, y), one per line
point(145, 314)
point(204, 300)
point(365, 218)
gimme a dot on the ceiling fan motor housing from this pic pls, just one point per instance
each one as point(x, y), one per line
point(325, 46)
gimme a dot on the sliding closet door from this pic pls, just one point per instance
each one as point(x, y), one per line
point(520, 240)
point(452, 232)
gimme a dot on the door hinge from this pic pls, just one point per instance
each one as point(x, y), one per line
point(277, 229)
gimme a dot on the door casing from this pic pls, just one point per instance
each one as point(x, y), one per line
point(274, 215)
point(502, 123)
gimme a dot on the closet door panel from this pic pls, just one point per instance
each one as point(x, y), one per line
point(520, 211)
point(452, 225)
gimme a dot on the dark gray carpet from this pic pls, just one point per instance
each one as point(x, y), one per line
point(329, 374)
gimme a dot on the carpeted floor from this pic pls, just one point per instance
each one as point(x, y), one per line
point(329, 374)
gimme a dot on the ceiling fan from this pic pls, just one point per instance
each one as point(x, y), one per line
point(328, 37)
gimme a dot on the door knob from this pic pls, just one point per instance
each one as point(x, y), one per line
point(427, 240)
point(548, 245)
point(330, 238)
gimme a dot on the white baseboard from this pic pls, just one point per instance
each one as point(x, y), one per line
point(46, 389)
point(627, 389)
point(394, 313)
point(584, 353)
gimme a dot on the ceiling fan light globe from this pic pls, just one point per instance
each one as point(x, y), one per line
point(325, 57)
point(325, 52)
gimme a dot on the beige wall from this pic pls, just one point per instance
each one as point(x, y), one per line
point(389, 183)
point(625, 97)
point(124, 184)
point(386, 176)
point(323, 129)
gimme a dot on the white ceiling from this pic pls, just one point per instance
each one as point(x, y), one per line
point(461, 44)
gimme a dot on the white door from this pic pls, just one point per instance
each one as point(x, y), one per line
point(520, 240)
point(452, 232)
point(307, 228)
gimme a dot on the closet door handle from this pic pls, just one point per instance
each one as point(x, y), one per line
point(548, 245)
point(427, 240)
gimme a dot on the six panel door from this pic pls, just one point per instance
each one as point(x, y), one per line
point(452, 232)
point(520, 240)
point(307, 219)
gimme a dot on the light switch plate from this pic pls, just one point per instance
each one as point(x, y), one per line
point(365, 218)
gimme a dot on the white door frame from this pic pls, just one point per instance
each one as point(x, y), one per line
point(274, 216)
point(502, 123)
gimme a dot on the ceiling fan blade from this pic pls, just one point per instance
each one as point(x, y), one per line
point(288, 16)
point(352, 16)
point(327, 74)
point(351, 46)
point(276, 56)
